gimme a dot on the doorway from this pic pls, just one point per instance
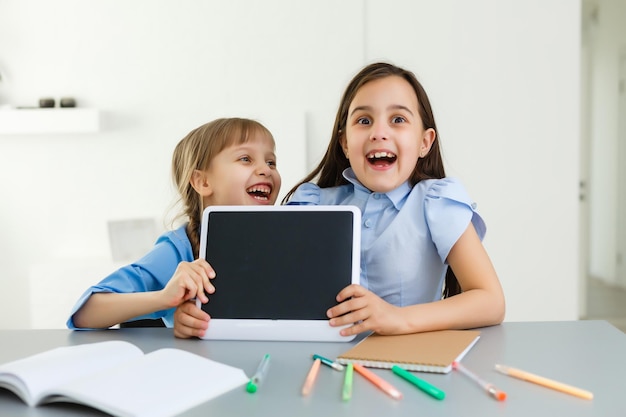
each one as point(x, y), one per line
point(620, 267)
point(603, 95)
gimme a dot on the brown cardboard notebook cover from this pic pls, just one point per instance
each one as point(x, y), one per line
point(426, 352)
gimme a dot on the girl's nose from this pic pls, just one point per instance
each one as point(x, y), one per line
point(263, 169)
point(379, 131)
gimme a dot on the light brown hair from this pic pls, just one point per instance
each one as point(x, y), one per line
point(195, 152)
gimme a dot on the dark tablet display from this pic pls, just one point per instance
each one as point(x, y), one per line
point(284, 262)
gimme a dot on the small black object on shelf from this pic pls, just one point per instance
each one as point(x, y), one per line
point(46, 102)
point(67, 102)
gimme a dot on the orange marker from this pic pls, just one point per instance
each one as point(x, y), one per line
point(378, 381)
point(310, 378)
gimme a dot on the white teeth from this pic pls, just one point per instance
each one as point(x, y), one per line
point(259, 189)
point(382, 154)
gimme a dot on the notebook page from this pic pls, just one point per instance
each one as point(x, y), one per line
point(162, 383)
point(46, 370)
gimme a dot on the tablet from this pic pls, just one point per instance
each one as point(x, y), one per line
point(278, 269)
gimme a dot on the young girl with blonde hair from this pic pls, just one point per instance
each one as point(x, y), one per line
point(228, 161)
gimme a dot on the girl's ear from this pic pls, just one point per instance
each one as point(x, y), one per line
point(428, 138)
point(343, 143)
point(200, 182)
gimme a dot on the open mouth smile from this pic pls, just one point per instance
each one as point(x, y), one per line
point(260, 192)
point(381, 158)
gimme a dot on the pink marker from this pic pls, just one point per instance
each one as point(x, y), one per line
point(490, 388)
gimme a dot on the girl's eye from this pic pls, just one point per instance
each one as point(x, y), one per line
point(363, 121)
point(271, 164)
point(245, 159)
point(398, 119)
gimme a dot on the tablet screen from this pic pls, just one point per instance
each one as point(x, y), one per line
point(275, 265)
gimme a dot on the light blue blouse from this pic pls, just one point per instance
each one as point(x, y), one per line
point(150, 273)
point(406, 234)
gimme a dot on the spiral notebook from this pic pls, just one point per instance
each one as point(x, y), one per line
point(424, 352)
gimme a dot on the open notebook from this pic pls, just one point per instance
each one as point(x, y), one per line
point(118, 378)
point(278, 269)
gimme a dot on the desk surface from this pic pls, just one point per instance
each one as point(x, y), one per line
point(586, 354)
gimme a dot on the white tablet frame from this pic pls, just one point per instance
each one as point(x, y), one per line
point(281, 330)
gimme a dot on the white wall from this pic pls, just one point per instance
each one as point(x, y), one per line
point(502, 76)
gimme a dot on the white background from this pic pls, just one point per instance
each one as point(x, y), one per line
point(503, 77)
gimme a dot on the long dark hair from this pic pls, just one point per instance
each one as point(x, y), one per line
point(329, 171)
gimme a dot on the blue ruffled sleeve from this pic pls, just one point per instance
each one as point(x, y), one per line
point(307, 194)
point(449, 209)
point(151, 273)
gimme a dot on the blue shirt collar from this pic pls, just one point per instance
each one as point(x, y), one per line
point(397, 196)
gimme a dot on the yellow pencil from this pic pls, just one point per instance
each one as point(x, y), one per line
point(549, 383)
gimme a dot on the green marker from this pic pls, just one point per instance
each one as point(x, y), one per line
point(336, 366)
point(259, 376)
point(347, 383)
point(419, 383)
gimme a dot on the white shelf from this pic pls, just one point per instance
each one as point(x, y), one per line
point(56, 120)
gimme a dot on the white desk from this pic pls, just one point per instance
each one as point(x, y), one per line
point(586, 354)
